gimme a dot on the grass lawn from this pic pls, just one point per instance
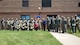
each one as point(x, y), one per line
point(27, 38)
point(76, 34)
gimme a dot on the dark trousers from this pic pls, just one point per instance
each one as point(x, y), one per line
point(73, 29)
point(48, 27)
point(44, 26)
point(36, 28)
point(57, 28)
point(2, 27)
point(8, 27)
point(63, 29)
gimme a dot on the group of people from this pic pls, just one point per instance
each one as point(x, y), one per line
point(62, 24)
point(23, 24)
point(58, 24)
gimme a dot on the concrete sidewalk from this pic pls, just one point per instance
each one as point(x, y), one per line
point(66, 39)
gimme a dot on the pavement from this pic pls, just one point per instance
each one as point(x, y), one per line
point(66, 39)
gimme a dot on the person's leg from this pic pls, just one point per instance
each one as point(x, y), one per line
point(57, 28)
point(36, 28)
point(48, 27)
point(73, 29)
point(62, 29)
point(44, 27)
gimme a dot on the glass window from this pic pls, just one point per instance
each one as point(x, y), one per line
point(46, 3)
point(25, 17)
point(25, 3)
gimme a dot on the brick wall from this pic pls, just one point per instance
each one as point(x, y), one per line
point(57, 6)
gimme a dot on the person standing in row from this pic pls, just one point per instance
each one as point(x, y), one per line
point(12, 24)
point(8, 24)
point(44, 24)
point(25, 24)
point(57, 23)
point(53, 23)
point(40, 24)
point(73, 24)
point(79, 25)
point(48, 23)
point(3, 24)
point(64, 24)
point(31, 24)
point(68, 23)
point(36, 25)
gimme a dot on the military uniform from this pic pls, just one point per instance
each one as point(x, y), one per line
point(8, 24)
point(76, 19)
point(16, 24)
point(64, 25)
point(2, 24)
point(12, 24)
point(21, 24)
point(30, 26)
point(57, 24)
point(79, 25)
point(48, 23)
point(73, 25)
point(25, 24)
point(68, 24)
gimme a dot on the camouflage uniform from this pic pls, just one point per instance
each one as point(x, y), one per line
point(64, 24)
point(48, 23)
point(12, 24)
point(79, 25)
point(73, 25)
point(25, 24)
point(2, 24)
point(68, 23)
point(8, 24)
point(53, 23)
point(58, 24)
point(16, 24)
point(31, 24)
point(20, 26)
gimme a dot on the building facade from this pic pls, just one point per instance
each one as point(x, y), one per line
point(32, 8)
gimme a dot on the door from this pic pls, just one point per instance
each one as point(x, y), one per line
point(51, 16)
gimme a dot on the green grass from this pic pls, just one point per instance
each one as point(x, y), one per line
point(27, 38)
point(76, 34)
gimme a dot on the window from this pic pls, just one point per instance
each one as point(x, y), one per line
point(25, 17)
point(46, 3)
point(25, 3)
point(79, 4)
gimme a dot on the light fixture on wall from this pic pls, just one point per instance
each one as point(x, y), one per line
point(39, 8)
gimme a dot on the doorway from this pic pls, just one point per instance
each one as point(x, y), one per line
point(51, 16)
